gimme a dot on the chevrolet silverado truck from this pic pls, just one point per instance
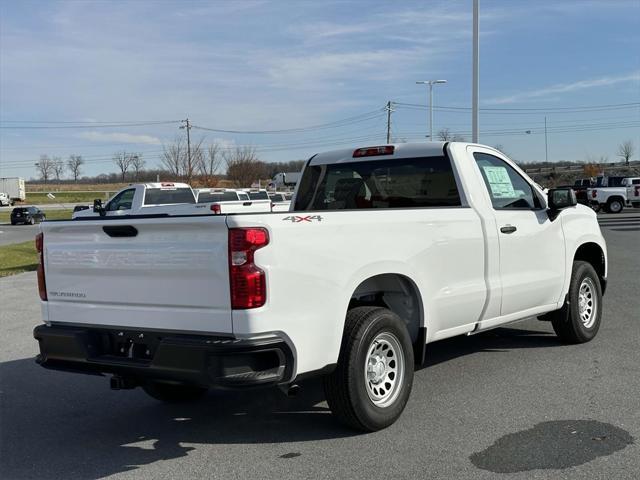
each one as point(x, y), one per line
point(633, 191)
point(227, 201)
point(167, 198)
point(614, 198)
point(386, 249)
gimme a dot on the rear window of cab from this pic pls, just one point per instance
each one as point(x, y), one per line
point(393, 183)
point(163, 196)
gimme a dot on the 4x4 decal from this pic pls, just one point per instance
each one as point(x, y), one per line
point(299, 219)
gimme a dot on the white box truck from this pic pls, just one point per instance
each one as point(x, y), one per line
point(14, 188)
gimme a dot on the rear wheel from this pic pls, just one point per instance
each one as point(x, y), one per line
point(32, 221)
point(372, 382)
point(615, 205)
point(173, 392)
point(582, 321)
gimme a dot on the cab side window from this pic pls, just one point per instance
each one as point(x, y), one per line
point(507, 189)
point(122, 201)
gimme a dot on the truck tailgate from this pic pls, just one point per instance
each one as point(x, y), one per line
point(166, 273)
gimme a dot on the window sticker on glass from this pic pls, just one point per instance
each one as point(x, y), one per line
point(499, 181)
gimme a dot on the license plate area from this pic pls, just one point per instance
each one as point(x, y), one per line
point(131, 345)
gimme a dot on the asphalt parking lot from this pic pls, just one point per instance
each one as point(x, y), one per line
point(509, 403)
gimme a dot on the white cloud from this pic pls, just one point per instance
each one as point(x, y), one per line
point(120, 138)
point(566, 88)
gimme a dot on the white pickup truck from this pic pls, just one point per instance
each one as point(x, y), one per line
point(166, 198)
point(633, 191)
point(610, 195)
point(386, 249)
point(227, 201)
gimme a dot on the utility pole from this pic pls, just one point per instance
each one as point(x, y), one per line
point(187, 126)
point(388, 122)
point(546, 147)
point(475, 121)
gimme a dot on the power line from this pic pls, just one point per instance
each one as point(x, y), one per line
point(338, 123)
point(113, 125)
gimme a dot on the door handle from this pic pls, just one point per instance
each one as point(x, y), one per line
point(119, 231)
point(508, 229)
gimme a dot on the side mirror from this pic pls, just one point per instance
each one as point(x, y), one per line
point(559, 199)
point(98, 208)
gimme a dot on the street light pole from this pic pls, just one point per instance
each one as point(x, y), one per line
point(546, 147)
point(431, 83)
point(475, 94)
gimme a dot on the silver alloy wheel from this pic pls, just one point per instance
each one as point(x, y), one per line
point(615, 206)
point(384, 369)
point(587, 302)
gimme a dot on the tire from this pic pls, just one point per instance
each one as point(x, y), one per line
point(615, 205)
point(370, 399)
point(173, 392)
point(576, 325)
point(32, 221)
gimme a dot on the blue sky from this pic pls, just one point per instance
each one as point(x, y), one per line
point(258, 65)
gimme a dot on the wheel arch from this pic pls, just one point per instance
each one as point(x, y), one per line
point(594, 254)
point(400, 294)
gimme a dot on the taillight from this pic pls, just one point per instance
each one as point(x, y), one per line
point(42, 287)
point(594, 193)
point(215, 208)
point(637, 191)
point(374, 151)
point(247, 281)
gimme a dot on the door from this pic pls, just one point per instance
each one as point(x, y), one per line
point(121, 203)
point(532, 247)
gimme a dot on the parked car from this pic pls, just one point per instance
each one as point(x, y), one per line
point(27, 215)
point(580, 186)
point(386, 249)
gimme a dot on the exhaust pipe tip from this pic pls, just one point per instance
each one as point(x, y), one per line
point(290, 390)
point(293, 391)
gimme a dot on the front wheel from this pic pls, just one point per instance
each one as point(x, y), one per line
point(582, 322)
point(370, 387)
point(173, 392)
point(32, 221)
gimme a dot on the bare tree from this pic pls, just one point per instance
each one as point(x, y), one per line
point(137, 164)
point(123, 162)
point(172, 157)
point(58, 167)
point(74, 163)
point(209, 164)
point(45, 167)
point(243, 166)
point(445, 135)
point(626, 151)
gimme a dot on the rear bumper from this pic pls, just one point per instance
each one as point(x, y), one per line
point(140, 356)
